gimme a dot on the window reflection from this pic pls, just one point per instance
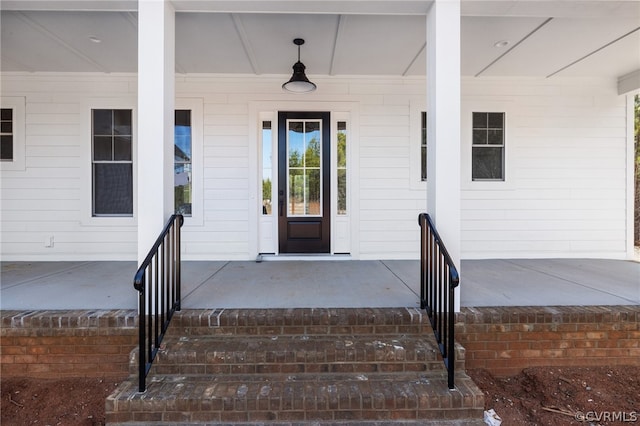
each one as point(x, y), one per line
point(342, 167)
point(182, 162)
point(304, 146)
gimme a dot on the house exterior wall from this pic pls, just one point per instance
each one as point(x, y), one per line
point(565, 193)
point(567, 168)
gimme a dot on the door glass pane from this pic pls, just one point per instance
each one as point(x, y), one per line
point(312, 189)
point(312, 144)
point(304, 147)
point(295, 206)
point(295, 137)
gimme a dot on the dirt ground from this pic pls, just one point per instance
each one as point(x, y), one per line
point(537, 396)
point(564, 396)
point(75, 401)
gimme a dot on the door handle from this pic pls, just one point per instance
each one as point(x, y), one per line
point(281, 202)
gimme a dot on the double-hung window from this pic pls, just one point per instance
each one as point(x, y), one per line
point(6, 134)
point(112, 162)
point(12, 133)
point(488, 141)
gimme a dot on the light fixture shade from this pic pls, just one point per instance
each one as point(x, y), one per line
point(299, 83)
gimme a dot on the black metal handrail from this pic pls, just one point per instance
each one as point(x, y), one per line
point(158, 284)
point(438, 280)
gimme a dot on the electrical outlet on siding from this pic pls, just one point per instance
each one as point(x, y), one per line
point(48, 241)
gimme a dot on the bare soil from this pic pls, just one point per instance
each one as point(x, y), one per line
point(557, 396)
point(68, 401)
point(549, 396)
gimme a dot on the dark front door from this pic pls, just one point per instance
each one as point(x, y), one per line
point(304, 209)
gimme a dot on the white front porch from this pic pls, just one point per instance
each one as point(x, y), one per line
point(322, 284)
point(567, 184)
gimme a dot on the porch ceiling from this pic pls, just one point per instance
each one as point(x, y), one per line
point(385, 37)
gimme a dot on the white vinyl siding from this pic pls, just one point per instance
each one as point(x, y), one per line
point(563, 194)
point(565, 167)
point(48, 198)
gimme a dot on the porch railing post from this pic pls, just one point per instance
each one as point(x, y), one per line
point(142, 350)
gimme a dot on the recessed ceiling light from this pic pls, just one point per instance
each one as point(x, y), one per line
point(95, 39)
point(501, 43)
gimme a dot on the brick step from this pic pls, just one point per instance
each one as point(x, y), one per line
point(206, 399)
point(301, 321)
point(297, 366)
point(298, 354)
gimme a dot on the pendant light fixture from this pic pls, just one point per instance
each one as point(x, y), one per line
point(299, 83)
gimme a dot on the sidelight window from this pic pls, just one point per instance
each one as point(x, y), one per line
point(183, 168)
point(423, 146)
point(267, 168)
point(342, 167)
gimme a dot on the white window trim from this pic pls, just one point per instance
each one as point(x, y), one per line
point(466, 141)
point(196, 105)
point(268, 224)
point(416, 109)
point(345, 245)
point(17, 104)
point(86, 201)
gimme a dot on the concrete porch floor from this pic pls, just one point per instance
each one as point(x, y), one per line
point(315, 283)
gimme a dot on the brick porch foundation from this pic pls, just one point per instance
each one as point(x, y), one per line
point(54, 344)
point(504, 340)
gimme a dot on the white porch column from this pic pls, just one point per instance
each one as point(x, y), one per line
point(443, 125)
point(156, 98)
